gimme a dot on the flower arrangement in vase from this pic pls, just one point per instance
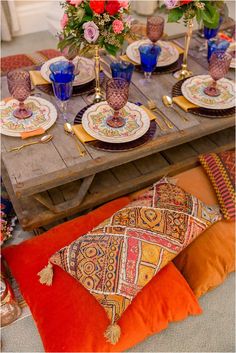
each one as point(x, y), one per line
point(205, 11)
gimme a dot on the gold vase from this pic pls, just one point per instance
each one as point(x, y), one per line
point(184, 72)
point(98, 97)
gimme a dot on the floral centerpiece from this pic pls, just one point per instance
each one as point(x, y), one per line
point(205, 11)
point(94, 22)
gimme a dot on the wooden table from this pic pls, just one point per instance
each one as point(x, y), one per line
point(49, 182)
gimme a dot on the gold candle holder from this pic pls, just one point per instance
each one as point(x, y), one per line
point(184, 72)
point(98, 97)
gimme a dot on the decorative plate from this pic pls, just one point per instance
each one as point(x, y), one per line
point(232, 48)
point(193, 90)
point(136, 125)
point(118, 147)
point(44, 115)
point(207, 113)
point(169, 53)
point(85, 67)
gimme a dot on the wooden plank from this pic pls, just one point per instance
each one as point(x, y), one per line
point(179, 153)
point(110, 160)
point(103, 180)
point(125, 172)
point(56, 196)
point(69, 190)
point(203, 145)
point(222, 137)
point(41, 216)
point(151, 163)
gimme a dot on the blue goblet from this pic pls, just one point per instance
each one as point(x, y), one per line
point(216, 45)
point(149, 55)
point(62, 67)
point(62, 88)
point(210, 33)
point(122, 69)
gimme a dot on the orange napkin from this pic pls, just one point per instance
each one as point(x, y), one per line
point(83, 136)
point(37, 78)
point(183, 103)
point(39, 131)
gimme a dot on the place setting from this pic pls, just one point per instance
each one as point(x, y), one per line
point(115, 124)
point(211, 96)
point(84, 81)
point(168, 55)
point(24, 115)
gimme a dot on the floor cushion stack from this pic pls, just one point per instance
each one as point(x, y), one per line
point(69, 318)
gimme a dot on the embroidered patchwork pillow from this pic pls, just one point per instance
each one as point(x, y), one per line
point(119, 257)
point(221, 170)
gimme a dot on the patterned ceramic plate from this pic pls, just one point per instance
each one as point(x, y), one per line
point(193, 90)
point(85, 67)
point(136, 125)
point(232, 48)
point(169, 53)
point(44, 115)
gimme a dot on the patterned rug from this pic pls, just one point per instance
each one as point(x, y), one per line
point(12, 62)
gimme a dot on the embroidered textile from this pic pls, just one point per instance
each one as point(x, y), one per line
point(120, 256)
point(221, 171)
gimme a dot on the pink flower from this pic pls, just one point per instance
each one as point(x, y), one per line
point(117, 26)
point(91, 31)
point(124, 4)
point(170, 4)
point(64, 20)
point(75, 2)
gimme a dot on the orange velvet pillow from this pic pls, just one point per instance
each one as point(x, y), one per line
point(207, 261)
point(68, 318)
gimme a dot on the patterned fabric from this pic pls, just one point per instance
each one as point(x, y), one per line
point(221, 171)
point(7, 216)
point(120, 256)
point(13, 62)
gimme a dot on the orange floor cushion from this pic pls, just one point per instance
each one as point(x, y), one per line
point(69, 318)
point(207, 261)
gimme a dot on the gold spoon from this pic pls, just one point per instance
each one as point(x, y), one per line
point(152, 105)
point(168, 102)
point(44, 139)
point(69, 130)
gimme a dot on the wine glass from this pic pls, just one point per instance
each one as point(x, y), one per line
point(19, 86)
point(218, 68)
point(117, 92)
point(62, 77)
point(155, 28)
point(149, 55)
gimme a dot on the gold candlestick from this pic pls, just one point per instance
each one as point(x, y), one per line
point(98, 93)
point(184, 72)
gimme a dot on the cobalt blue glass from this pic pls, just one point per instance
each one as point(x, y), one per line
point(216, 45)
point(149, 55)
point(122, 69)
point(62, 87)
point(62, 67)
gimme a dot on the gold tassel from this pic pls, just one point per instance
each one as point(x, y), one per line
point(112, 333)
point(46, 275)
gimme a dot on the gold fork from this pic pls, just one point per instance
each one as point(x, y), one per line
point(152, 106)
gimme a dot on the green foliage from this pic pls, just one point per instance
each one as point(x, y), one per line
point(175, 14)
point(205, 11)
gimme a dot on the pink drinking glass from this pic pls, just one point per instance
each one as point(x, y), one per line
point(19, 86)
point(155, 28)
point(218, 68)
point(117, 92)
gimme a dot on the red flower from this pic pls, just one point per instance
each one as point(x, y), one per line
point(97, 6)
point(184, 2)
point(113, 6)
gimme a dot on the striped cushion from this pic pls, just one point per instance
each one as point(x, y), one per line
point(221, 171)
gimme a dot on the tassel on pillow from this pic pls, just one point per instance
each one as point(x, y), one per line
point(46, 275)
